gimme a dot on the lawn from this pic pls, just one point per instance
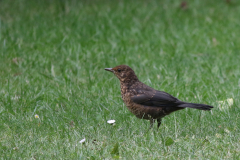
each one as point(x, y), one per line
point(52, 60)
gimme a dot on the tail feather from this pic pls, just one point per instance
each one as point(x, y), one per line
point(196, 106)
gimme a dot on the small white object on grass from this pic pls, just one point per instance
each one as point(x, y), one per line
point(226, 104)
point(111, 121)
point(226, 130)
point(36, 116)
point(218, 135)
point(82, 141)
point(230, 101)
point(15, 148)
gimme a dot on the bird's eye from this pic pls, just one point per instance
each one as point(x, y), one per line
point(119, 70)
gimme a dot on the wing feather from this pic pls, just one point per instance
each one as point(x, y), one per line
point(157, 99)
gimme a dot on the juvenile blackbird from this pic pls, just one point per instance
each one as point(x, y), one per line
point(146, 102)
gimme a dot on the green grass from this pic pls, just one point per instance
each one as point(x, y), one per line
point(52, 60)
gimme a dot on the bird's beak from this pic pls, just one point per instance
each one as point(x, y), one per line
point(109, 69)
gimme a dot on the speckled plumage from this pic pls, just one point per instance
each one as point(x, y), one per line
point(145, 102)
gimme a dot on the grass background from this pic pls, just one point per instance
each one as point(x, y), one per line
point(52, 60)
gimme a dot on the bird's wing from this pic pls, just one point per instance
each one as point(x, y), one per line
point(155, 98)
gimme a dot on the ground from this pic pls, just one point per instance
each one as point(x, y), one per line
point(54, 91)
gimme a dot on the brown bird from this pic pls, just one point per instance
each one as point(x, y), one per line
point(184, 5)
point(145, 102)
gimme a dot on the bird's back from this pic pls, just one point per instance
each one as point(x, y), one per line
point(146, 102)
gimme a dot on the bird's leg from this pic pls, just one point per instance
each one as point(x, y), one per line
point(151, 122)
point(159, 122)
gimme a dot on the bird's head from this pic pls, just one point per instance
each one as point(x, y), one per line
point(124, 73)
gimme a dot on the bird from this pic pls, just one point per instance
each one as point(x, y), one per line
point(144, 101)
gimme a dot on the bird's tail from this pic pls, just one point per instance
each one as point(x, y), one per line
point(196, 106)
